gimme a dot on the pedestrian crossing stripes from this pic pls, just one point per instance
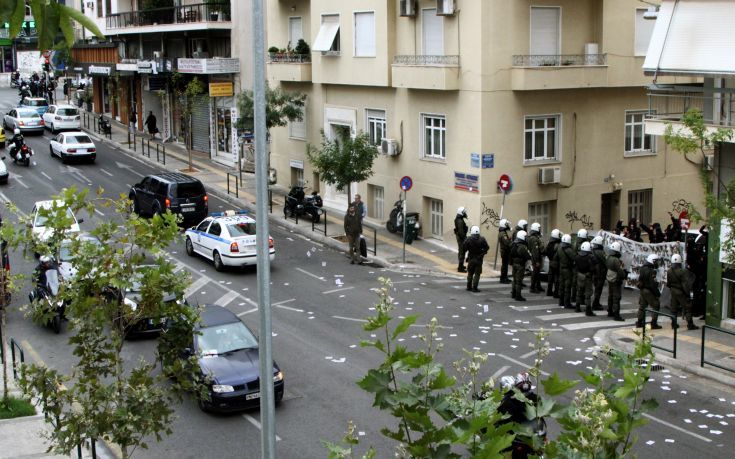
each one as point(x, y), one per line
point(573, 315)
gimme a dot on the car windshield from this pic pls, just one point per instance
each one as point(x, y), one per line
point(67, 111)
point(37, 103)
point(65, 253)
point(77, 139)
point(241, 229)
point(221, 339)
point(189, 190)
point(41, 220)
point(28, 114)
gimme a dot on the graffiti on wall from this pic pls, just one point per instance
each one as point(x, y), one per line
point(585, 220)
point(680, 205)
point(488, 217)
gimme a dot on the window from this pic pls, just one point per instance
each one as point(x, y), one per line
point(377, 200)
point(295, 31)
point(541, 139)
point(545, 30)
point(436, 216)
point(297, 176)
point(204, 225)
point(643, 32)
point(541, 212)
point(433, 128)
point(297, 129)
point(640, 204)
point(376, 125)
point(635, 138)
point(327, 40)
point(99, 8)
point(432, 32)
point(215, 229)
point(365, 34)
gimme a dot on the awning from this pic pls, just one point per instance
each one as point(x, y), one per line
point(693, 37)
point(325, 37)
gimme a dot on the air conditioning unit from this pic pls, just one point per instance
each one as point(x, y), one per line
point(445, 8)
point(548, 175)
point(389, 147)
point(709, 162)
point(408, 8)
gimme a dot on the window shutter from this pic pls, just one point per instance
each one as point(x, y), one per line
point(544, 31)
point(643, 32)
point(365, 34)
point(433, 32)
point(295, 32)
point(327, 32)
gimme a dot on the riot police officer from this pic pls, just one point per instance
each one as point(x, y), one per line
point(536, 247)
point(519, 255)
point(551, 248)
point(504, 242)
point(585, 264)
point(615, 276)
point(566, 255)
point(649, 292)
point(598, 276)
point(460, 232)
point(476, 248)
point(582, 237)
point(678, 281)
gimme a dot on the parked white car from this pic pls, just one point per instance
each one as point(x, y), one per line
point(38, 221)
point(226, 238)
point(3, 171)
point(59, 117)
point(73, 145)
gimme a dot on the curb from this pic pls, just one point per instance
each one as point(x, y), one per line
point(606, 337)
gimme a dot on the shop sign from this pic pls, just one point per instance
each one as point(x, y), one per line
point(208, 66)
point(466, 182)
point(99, 70)
point(147, 67)
point(296, 164)
point(488, 160)
point(220, 89)
point(166, 121)
point(127, 67)
point(235, 146)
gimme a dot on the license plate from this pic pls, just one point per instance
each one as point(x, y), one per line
point(82, 150)
point(252, 396)
point(188, 209)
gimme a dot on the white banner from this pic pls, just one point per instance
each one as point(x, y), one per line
point(633, 255)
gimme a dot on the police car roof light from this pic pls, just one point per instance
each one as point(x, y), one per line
point(229, 213)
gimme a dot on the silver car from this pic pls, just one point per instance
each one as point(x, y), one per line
point(25, 119)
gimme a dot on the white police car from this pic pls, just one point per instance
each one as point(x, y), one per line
point(227, 238)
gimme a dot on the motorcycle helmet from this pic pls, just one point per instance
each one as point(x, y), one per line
point(555, 234)
point(475, 230)
point(522, 224)
point(16, 131)
point(566, 239)
point(582, 233)
point(462, 211)
point(615, 247)
point(507, 382)
point(521, 236)
point(675, 258)
point(586, 247)
point(504, 224)
point(536, 227)
point(597, 240)
point(523, 382)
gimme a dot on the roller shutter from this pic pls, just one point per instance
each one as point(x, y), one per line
point(200, 124)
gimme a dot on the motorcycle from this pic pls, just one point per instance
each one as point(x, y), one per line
point(533, 431)
point(395, 220)
point(297, 204)
point(46, 295)
point(23, 155)
point(105, 126)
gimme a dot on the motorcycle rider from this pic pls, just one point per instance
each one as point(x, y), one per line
point(460, 232)
point(519, 255)
point(551, 248)
point(615, 276)
point(536, 247)
point(649, 293)
point(598, 276)
point(39, 274)
point(476, 247)
point(24, 92)
point(17, 141)
point(516, 412)
point(586, 266)
point(504, 242)
point(677, 279)
point(566, 255)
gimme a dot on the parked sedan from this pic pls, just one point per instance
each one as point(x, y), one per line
point(25, 119)
point(39, 104)
point(73, 145)
point(59, 117)
point(228, 355)
point(3, 171)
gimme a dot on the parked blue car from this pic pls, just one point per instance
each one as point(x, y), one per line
point(37, 103)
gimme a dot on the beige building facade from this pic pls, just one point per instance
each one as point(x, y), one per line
point(550, 93)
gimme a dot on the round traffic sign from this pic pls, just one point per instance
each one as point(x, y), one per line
point(504, 182)
point(406, 183)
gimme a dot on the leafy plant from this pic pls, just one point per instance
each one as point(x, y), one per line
point(12, 407)
point(302, 48)
point(343, 160)
point(273, 49)
point(188, 92)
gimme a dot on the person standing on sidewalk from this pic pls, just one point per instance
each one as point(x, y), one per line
point(678, 281)
point(615, 276)
point(150, 123)
point(353, 230)
point(476, 248)
point(536, 247)
point(586, 265)
point(504, 242)
point(598, 276)
point(566, 255)
point(360, 207)
point(551, 248)
point(460, 232)
point(519, 255)
point(649, 293)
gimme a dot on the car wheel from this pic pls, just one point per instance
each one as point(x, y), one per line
point(279, 398)
point(51, 151)
point(136, 206)
point(287, 212)
point(189, 247)
point(202, 405)
point(218, 265)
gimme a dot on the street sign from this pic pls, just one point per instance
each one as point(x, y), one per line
point(684, 214)
point(684, 223)
point(406, 183)
point(504, 182)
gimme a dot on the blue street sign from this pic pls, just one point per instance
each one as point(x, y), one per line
point(406, 183)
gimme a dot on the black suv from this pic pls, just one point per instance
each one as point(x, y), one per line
point(179, 193)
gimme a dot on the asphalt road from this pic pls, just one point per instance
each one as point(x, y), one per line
point(319, 305)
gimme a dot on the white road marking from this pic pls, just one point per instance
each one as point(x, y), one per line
point(284, 302)
point(500, 371)
point(209, 279)
point(311, 274)
point(21, 183)
point(598, 324)
point(528, 354)
point(574, 315)
point(105, 172)
point(349, 318)
point(337, 290)
point(47, 176)
point(226, 299)
point(518, 362)
point(247, 312)
point(354, 319)
point(99, 213)
point(675, 427)
point(199, 283)
point(541, 307)
point(255, 422)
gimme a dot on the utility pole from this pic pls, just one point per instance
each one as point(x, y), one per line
point(267, 400)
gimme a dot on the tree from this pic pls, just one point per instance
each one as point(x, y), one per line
point(441, 415)
point(694, 137)
point(187, 93)
point(51, 18)
point(343, 160)
point(104, 395)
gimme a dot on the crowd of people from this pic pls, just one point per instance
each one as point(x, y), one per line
point(37, 86)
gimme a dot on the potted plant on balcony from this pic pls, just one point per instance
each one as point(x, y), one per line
point(303, 51)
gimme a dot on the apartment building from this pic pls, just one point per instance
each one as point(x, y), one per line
point(456, 93)
point(146, 42)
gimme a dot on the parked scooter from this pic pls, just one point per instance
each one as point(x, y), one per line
point(298, 204)
point(395, 220)
point(45, 294)
point(104, 126)
point(22, 155)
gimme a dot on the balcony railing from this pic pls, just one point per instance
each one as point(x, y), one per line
point(200, 12)
point(290, 58)
point(426, 60)
point(558, 60)
point(718, 109)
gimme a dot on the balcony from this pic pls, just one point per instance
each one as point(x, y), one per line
point(289, 67)
point(669, 106)
point(214, 15)
point(562, 71)
point(426, 72)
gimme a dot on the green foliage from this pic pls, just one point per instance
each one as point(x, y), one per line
point(438, 415)
point(344, 160)
point(280, 108)
point(273, 49)
point(12, 407)
point(302, 47)
point(105, 395)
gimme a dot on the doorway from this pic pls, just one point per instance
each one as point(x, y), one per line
point(609, 210)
